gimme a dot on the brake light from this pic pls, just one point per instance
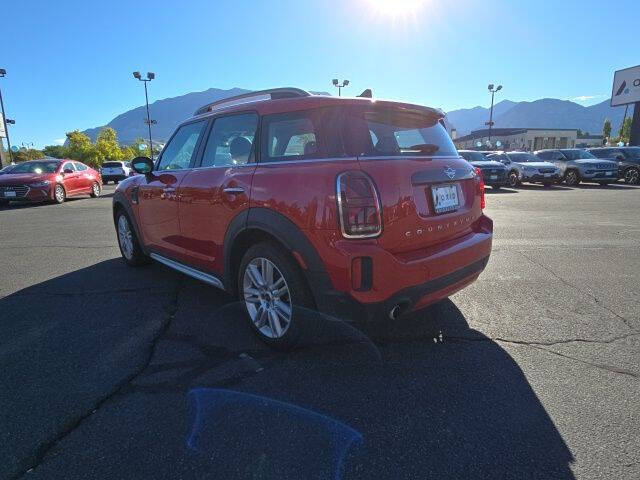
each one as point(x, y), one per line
point(480, 188)
point(359, 206)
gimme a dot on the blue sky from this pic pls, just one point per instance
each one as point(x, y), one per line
point(69, 63)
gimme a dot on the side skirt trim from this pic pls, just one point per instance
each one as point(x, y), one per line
point(192, 272)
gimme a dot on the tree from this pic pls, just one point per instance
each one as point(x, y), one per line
point(106, 146)
point(625, 130)
point(79, 146)
point(129, 152)
point(141, 153)
point(606, 129)
point(55, 151)
point(27, 154)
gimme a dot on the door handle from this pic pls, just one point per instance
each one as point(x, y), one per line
point(234, 190)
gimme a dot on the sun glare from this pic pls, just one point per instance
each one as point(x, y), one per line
point(396, 8)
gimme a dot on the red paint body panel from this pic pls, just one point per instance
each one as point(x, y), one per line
point(206, 210)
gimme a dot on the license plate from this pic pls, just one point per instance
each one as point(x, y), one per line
point(608, 173)
point(445, 198)
point(547, 175)
point(9, 194)
point(493, 177)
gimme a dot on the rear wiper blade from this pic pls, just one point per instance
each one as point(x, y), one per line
point(428, 148)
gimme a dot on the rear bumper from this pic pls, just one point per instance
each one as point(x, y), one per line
point(409, 282)
point(113, 178)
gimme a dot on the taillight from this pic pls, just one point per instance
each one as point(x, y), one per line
point(480, 187)
point(359, 207)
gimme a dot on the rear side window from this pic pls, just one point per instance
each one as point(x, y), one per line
point(302, 135)
point(231, 140)
point(396, 131)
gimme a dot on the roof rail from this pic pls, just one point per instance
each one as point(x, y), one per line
point(258, 96)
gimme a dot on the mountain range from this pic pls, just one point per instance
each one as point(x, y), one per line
point(544, 113)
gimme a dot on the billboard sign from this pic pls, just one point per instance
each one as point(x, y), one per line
point(626, 86)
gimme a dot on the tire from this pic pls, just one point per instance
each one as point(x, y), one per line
point(632, 176)
point(572, 178)
point(512, 179)
point(95, 190)
point(4, 203)
point(59, 194)
point(271, 316)
point(128, 242)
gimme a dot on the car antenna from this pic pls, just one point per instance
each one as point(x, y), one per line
point(366, 94)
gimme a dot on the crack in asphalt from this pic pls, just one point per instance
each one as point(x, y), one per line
point(90, 292)
point(34, 460)
point(542, 345)
point(580, 290)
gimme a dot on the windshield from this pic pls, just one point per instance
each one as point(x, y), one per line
point(473, 156)
point(36, 167)
point(111, 165)
point(577, 154)
point(523, 157)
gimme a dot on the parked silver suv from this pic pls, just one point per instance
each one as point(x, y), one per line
point(579, 165)
point(525, 167)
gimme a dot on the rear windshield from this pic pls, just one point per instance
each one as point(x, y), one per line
point(405, 132)
point(577, 154)
point(632, 152)
point(36, 167)
point(353, 131)
point(473, 156)
point(112, 165)
point(523, 157)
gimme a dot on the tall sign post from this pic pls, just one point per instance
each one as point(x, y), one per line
point(626, 90)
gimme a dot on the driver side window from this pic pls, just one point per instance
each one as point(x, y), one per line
point(179, 151)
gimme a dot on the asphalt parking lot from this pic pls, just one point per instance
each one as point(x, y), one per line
point(532, 372)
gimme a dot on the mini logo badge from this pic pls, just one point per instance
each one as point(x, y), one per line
point(449, 172)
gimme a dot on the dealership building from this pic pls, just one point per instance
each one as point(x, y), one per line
point(529, 139)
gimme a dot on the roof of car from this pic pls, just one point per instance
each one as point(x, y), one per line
point(258, 102)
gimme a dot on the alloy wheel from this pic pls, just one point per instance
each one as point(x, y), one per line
point(59, 193)
point(631, 176)
point(267, 297)
point(125, 238)
point(571, 178)
point(96, 190)
point(513, 179)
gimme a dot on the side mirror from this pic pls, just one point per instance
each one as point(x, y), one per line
point(142, 165)
point(67, 170)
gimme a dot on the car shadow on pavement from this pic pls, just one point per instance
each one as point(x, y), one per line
point(612, 186)
point(430, 397)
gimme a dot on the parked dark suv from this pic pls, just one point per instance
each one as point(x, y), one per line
point(361, 209)
point(628, 159)
point(494, 173)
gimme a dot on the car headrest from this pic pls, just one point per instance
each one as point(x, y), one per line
point(310, 148)
point(239, 146)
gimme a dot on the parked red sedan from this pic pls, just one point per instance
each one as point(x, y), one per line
point(49, 180)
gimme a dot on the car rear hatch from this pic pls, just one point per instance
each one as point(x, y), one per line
point(429, 194)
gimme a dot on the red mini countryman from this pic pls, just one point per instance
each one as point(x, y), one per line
point(48, 180)
point(359, 208)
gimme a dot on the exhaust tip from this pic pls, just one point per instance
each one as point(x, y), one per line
point(394, 313)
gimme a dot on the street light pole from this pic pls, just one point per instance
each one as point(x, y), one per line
point(493, 92)
point(148, 121)
point(3, 72)
point(336, 83)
